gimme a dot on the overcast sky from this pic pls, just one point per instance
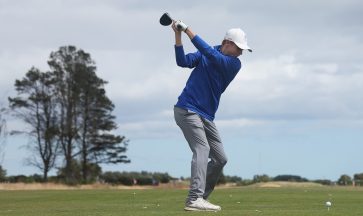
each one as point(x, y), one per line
point(296, 106)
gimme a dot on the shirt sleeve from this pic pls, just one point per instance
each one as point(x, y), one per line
point(190, 60)
point(224, 62)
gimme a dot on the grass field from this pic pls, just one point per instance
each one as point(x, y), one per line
point(283, 201)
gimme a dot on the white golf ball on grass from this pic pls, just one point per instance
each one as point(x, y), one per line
point(328, 204)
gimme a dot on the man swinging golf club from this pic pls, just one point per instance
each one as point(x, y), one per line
point(214, 68)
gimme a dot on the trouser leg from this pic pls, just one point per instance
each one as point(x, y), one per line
point(192, 126)
point(217, 156)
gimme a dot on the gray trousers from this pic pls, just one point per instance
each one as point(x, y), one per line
point(204, 141)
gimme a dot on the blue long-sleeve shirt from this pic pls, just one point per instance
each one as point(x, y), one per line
point(212, 73)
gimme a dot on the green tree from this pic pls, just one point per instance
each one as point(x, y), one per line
point(345, 180)
point(2, 174)
point(358, 176)
point(261, 178)
point(358, 179)
point(97, 144)
point(94, 171)
point(291, 178)
point(63, 66)
point(69, 115)
point(86, 119)
point(35, 105)
point(222, 179)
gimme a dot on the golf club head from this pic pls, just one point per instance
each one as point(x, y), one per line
point(165, 19)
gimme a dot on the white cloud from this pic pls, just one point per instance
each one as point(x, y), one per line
point(149, 129)
point(138, 75)
point(239, 123)
point(137, 57)
point(285, 85)
point(14, 65)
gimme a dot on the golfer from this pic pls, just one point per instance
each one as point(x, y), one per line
point(214, 68)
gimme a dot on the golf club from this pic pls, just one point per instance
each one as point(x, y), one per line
point(165, 19)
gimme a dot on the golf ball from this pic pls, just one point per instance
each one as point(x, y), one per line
point(328, 204)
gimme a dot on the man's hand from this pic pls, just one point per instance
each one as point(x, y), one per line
point(180, 25)
point(178, 32)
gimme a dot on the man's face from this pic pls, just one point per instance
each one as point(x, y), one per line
point(230, 48)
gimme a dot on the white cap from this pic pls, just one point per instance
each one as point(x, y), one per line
point(238, 36)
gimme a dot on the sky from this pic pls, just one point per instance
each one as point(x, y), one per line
point(295, 107)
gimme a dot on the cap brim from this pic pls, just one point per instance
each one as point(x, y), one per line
point(249, 49)
point(243, 46)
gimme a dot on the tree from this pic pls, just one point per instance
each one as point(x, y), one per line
point(222, 179)
point(94, 171)
point(86, 119)
point(96, 144)
point(358, 176)
point(345, 180)
point(261, 178)
point(358, 179)
point(292, 178)
point(3, 133)
point(36, 106)
point(2, 174)
point(62, 64)
point(69, 115)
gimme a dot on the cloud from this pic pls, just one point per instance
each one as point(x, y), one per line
point(299, 68)
point(239, 123)
point(14, 65)
point(283, 87)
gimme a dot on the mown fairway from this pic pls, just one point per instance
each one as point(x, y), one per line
point(289, 201)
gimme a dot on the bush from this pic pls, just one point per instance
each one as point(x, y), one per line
point(144, 180)
point(222, 179)
point(261, 178)
point(162, 177)
point(131, 178)
point(20, 179)
point(93, 172)
point(116, 178)
point(323, 182)
point(245, 182)
point(291, 178)
point(233, 179)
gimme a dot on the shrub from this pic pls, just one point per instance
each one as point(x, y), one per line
point(292, 178)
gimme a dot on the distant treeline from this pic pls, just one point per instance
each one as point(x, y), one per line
point(155, 178)
point(346, 180)
point(114, 178)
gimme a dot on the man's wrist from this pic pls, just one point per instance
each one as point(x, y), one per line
point(189, 32)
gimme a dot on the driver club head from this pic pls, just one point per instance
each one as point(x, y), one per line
point(165, 19)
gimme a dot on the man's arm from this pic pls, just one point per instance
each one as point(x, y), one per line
point(179, 26)
point(190, 34)
point(225, 62)
point(178, 36)
point(190, 60)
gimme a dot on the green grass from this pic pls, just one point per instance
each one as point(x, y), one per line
point(287, 201)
